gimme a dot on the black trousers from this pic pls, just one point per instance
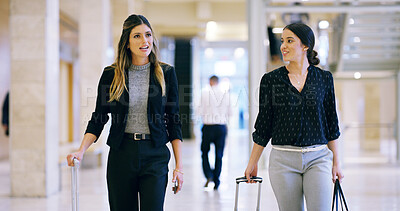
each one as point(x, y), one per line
point(213, 134)
point(137, 175)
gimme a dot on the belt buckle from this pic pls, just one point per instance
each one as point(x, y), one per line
point(137, 136)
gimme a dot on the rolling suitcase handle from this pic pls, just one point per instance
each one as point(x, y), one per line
point(74, 188)
point(244, 179)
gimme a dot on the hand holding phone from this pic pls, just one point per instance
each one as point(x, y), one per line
point(175, 186)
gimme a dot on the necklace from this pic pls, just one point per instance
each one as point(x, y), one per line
point(298, 82)
point(295, 78)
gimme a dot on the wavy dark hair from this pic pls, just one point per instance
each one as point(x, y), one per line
point(307, 37)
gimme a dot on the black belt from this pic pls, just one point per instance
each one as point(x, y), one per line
point(137, 136)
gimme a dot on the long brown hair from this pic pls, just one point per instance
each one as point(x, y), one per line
point(124, 58)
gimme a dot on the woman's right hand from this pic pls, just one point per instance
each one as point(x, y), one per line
point(251, 171)
point(88, 140)
point(78, 155)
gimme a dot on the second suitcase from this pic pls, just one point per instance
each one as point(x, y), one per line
point(244, 179)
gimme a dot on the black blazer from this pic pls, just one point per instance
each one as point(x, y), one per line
point(162, 111)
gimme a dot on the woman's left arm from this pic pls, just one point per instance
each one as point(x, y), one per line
point(336, 169)
point(178, 172)
point(174, 124)
point(333, 132)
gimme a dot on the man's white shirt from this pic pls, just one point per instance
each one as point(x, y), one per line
point(214, 106)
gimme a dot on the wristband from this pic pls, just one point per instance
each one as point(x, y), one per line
point(178, 171)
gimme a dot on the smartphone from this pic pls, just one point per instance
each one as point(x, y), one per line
point(175, 187)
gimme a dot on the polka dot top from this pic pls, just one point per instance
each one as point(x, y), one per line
point(296, 118)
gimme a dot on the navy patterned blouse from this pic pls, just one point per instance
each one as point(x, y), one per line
point(296, 118)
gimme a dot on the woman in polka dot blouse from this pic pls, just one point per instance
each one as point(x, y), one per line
point(297, 112)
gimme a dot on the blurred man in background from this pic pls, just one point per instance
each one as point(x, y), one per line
point(214, 110)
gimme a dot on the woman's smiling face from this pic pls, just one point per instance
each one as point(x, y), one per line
point(141, 42)
point(292, 49)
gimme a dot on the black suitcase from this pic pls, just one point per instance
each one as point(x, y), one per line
point(244, 179)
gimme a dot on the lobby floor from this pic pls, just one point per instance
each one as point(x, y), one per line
point(373, 186)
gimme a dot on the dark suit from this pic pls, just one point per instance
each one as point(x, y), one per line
point(133, 164)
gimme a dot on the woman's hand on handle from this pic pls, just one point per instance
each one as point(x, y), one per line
point(70, 157)
point(337, 173)
point(88, 140)
point(252, 167)
point(251, 171)
point(336, 169)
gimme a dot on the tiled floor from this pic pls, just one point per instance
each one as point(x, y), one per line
point(367, 186)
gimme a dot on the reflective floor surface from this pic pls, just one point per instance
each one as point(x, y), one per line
point(366, 186)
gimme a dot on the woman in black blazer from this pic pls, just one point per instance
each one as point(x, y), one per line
point(141, 93)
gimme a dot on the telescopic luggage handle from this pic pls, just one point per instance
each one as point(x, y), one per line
point(74, 188)
point(244, 179)
point(76, 162)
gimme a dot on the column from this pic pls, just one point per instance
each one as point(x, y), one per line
point(370, 139)
point(257, 60)
point(120, 10)
point(397, 122)
point(34, 41)
point(94, 55)
point(257, 55)
point(137, 7)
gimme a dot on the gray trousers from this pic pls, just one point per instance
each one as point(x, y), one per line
point(296, 175)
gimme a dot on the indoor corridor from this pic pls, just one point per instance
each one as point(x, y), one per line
point(53, 53)
point(372, 187)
